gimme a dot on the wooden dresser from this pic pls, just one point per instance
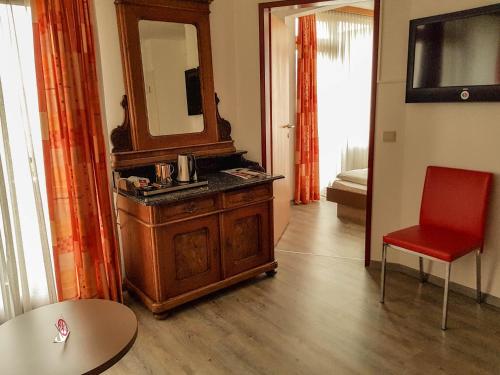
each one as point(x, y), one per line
point(181, 246)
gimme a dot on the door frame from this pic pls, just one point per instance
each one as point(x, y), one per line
point(266, 100)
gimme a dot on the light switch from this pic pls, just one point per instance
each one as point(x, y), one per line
point(389, 136)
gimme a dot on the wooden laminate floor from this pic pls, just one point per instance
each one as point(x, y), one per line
point(315, 229)
point(319, 315)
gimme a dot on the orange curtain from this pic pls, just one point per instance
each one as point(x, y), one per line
point(306, 137)
point(86, 259)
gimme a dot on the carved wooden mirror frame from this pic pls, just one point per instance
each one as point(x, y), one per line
point(133, 143)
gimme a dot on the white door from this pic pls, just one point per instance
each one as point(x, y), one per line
point(280, 122)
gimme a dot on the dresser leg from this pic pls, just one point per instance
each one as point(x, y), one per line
point(161, 316)
point(271, 273)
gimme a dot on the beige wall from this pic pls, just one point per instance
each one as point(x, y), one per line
point(235, 52)
point(464, 135)
point(112, 82)
point(290, 22)
point(455, 134)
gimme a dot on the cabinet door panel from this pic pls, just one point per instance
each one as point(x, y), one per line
point(137, 247)
point(248, 226)
point(188, 255)
point(191, 253)
point(247, 238)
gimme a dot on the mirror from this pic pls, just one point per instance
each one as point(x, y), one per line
point(167, 60)
point(171, 74)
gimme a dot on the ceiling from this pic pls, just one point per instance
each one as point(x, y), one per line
point(303, 10)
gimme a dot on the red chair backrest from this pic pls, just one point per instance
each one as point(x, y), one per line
point(456, 199)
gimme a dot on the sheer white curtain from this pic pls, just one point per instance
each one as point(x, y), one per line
point(345, 44)
point(26, 274)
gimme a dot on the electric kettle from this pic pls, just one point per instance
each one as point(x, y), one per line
point(186, 168)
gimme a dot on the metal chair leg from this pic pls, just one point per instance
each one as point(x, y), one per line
point(445, 300)
point(423, 275)
point(382, 275)
point(478, 276)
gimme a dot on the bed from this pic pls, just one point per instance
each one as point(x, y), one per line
point(349, 192)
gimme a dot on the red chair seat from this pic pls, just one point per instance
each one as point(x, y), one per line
point(433, 241)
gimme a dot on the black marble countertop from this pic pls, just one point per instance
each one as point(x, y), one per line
point(217, 182)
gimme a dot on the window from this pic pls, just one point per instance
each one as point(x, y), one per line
point(24, 199)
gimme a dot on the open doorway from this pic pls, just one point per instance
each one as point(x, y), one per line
point(346, 38)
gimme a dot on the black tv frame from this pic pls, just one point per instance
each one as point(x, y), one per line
point(479, 93)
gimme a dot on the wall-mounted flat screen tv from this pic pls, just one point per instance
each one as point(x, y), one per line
point(455, 57)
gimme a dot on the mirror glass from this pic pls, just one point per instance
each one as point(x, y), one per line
point(171, 77)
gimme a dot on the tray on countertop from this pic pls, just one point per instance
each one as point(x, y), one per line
point(173, 186)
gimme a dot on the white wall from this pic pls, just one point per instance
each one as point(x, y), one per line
point(111, 63)
point(290, 22)
point(247, 70)
point(390, 116)
point(464, 135)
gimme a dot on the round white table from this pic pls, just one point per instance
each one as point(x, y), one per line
point(101, 333)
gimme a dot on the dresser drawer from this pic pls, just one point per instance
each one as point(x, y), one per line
point(247, 195)
point(187, 208)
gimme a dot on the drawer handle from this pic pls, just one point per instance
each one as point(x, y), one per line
point(191, 208)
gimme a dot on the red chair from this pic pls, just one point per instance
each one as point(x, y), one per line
point(452, 221)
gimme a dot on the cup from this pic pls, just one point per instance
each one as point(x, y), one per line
point(164, 173)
